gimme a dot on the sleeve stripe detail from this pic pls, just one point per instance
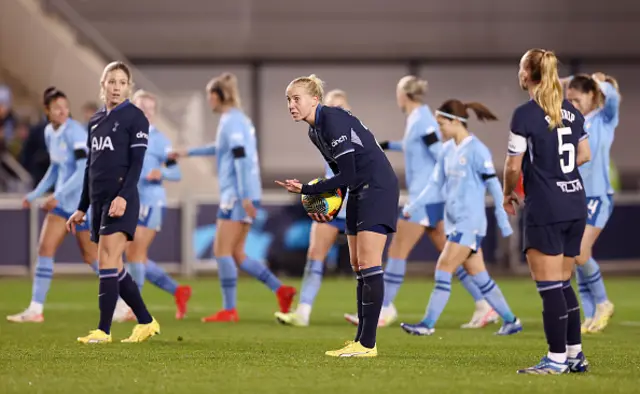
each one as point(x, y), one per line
point(344, 153)
point(138, 145)
point(584, 137)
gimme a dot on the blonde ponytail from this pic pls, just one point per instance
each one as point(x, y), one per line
point(548, 93)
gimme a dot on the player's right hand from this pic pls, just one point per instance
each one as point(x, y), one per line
point(155, 174)
point(78, 217)
point(510, 203)
point(320, 218)
point(25, 203)
point(248, 207)
point(292, 185)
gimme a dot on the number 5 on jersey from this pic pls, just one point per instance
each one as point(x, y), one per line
point(567, 147)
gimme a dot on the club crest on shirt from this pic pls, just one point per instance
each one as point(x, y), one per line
point(115, 127)
point(462, 160)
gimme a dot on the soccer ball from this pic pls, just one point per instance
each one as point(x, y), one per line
point(326, 203)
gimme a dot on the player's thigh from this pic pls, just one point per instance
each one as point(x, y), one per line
point(137, 249)
point(589, 238)
point(88, 249)
point(239, 249)
point(568, 265)
point(321, 239)
point(52, 234)
point(545, 267)
point(475, 263)
point(110, 250)
point(437, 236)
point(545, 249)
point(227, 234)
point(407, 235)
point(452, 256)
point(352, 241)
point(370, 246)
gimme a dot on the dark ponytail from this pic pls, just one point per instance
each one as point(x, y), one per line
point(482, 112)
point(456, 109)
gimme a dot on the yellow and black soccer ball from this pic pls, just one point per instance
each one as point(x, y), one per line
point(326, 203)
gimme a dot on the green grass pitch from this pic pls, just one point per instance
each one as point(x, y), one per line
point(258, 355)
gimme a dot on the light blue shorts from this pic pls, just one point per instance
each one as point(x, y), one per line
point(468, 239)
point(151, 216)
point(428, 216)
point(66, 215)
point(599, 210)
point(235, 212)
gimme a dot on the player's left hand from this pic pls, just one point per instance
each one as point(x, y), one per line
point(77, 218)
point(248, 207)
point(292, 185)
point(177, 154)
point(601, 77)
point(154, 175)
point(50, 203)
point(321, 218)
point(117, 208)
point(406, 212)
point(511, 202)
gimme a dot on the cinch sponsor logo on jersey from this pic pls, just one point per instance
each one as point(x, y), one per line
point(340, 140)
point(101, 143)
point(142, 134)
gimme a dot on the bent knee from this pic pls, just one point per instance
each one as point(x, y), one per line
point(46, 249)
point(583, 257)
point(317, 252)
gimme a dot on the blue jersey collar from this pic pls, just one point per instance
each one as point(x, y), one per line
point(317, 120)
point(119, 106)
point(122, 105)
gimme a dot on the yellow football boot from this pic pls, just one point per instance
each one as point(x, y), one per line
point(142, 332)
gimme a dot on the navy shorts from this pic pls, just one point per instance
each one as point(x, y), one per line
point(557, 238)
point(372, 209)
point(103, 224)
